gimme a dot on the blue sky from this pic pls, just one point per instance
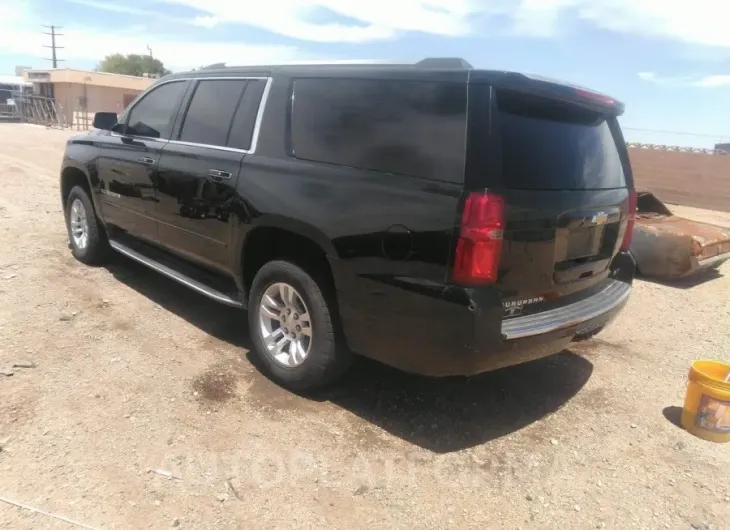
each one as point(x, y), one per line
point(668, 61)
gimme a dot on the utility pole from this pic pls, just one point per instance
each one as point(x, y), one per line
point(149, 50)
point(53, 46)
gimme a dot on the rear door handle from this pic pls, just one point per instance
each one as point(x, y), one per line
point(146, 160)
point(218, 174)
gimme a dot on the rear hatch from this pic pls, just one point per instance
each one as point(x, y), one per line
point(556, 155)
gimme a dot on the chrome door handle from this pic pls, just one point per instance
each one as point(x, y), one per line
point(146, 160)
point(218, 174)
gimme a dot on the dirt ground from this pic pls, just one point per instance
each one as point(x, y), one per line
point(134, 373)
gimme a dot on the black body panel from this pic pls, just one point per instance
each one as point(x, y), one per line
point(196, 189)
point(126, 169)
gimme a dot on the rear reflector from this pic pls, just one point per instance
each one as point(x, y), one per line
point(631, 210)
point(479, 247)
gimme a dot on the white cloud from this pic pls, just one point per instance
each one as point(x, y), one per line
point(82, 44)
point(699, 24)
point(118, 8)
point(651, 77)
point(374, 19)
point(11, 14)
point(19, 35)
point(708, 81)
point(713, 81)
point(702, 22)
point(206, 22)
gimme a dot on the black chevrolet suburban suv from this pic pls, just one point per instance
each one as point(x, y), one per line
point(435, 217)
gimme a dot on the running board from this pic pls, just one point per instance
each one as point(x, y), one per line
point(173, 274)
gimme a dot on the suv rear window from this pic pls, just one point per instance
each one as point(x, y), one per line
point(549, 145)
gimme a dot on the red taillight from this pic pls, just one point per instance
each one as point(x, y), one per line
point(479, 247)
point(631, 203)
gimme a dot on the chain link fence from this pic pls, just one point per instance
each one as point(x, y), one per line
point(677, 149)
point(41, 110)
point(671, 140)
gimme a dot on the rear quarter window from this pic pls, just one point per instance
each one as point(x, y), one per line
point(413, 128)
point(549, 145)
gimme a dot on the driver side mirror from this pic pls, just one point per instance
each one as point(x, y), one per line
point(105, 120)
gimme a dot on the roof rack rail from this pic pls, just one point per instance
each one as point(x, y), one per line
point(325, 62)
point(444, 62)
point(428, 62)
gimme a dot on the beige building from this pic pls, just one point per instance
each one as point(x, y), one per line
point(79, 94)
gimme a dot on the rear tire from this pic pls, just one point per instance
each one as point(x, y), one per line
point(89, 243)
point(292, 328)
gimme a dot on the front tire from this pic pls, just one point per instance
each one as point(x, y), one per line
point(291, 325)
point(88, 240)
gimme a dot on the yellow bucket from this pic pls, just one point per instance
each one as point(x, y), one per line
point(706, 411)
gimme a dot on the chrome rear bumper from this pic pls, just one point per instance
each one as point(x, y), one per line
point(611, 297)
point(714, 261)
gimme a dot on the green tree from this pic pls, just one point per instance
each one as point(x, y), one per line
point(132, 64)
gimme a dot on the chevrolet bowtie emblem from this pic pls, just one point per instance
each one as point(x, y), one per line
point(599, 219)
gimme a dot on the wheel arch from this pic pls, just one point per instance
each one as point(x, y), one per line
point(266, 239)
point(73, 175)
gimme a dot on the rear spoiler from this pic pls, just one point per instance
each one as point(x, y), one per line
point(549, 88)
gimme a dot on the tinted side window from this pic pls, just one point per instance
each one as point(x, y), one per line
point(245, 118)
point(211, 109)
point(154, 114)
point(549, 145)
point(406, 127)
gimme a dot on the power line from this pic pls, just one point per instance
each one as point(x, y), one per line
point(53, 46)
